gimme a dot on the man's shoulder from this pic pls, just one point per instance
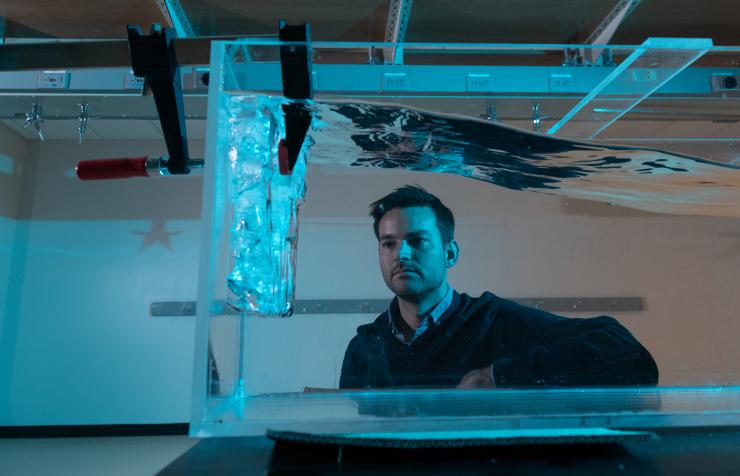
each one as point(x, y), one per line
point(486, 301)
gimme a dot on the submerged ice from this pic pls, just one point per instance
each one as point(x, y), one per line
point(263, 206)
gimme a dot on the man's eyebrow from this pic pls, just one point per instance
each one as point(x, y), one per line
point(418, 233)
point(411, 233)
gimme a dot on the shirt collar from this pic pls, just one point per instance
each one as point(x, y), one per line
point(434, 314)
point(441, 307)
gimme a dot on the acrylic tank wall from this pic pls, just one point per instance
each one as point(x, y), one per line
point(254, 372)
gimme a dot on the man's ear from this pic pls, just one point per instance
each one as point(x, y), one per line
point(452, 251)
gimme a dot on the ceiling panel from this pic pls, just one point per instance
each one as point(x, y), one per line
point(331, 20)
point(17, 127)
point(121, 129)
point(104, 19)
point(716, 19)
point(505, 21)
point(53, 130)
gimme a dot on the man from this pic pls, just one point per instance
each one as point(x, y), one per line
point(431, 336)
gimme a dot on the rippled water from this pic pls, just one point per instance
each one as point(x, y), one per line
point(390, 136)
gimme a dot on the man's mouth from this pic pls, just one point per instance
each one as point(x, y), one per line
point(404, 271)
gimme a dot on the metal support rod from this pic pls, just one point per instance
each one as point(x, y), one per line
point(196, 51)
point(376, 306)
point(603, 33)
point(399, 12)
point(350, 79)
point(176, 17)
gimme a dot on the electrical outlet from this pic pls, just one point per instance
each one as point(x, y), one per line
point(53, 80)
point(561, 83)
point(724, 82)
point(201, 77)
point(478, 83)
point(644, 75)
point(132, 82)
point(395, 82)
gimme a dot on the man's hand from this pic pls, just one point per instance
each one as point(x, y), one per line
point(480, 378)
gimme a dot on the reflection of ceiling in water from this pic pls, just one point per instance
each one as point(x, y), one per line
point(712, 124)
point(387, 136)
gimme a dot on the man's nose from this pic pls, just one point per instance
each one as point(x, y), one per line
point(404, 251)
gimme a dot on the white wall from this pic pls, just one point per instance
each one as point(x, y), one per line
point(13, 159)
point(13, 150)
point(87, 351)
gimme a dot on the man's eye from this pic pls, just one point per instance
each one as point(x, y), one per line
point(386, 244)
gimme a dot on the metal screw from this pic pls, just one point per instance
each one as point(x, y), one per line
point(491, 111)
point(536, 126)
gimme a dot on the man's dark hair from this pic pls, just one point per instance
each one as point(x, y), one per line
point(415, 196)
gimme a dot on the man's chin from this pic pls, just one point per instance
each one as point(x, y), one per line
point(405, 292)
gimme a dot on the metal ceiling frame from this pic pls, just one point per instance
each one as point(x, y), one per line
point(528, 80)
point(22, 64)
point(176, 17)
point(79, 54)
point(604, 32)
point(399, 13)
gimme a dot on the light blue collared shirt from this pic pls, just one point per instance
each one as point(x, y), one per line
point(430, 318)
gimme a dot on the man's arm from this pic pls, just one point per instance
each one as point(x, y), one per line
point(556, 350)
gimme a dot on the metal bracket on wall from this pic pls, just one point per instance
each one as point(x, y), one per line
point(376, 306)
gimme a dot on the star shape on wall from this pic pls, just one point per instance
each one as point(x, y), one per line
point(157, 234)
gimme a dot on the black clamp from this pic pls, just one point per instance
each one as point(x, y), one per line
point(295, 62)
point(153, 58)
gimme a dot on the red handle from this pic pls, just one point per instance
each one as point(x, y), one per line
point(284, 165)
point(102, 169)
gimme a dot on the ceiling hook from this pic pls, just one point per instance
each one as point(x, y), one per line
point(35, 120)
point(83, 119)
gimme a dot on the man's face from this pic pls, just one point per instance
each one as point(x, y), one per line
point(413, 259)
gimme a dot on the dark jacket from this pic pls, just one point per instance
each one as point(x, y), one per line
point(526, 346)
